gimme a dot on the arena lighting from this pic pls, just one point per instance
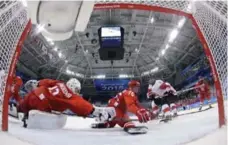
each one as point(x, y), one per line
point(101, 76)
point(69, 72)
point(163, 52)
point(40, 28)
point(55, 49)
point(145, 73)
point(155, 69)
point(60, 54)
point(125, 76)
point(79, 75)
point(152, 20)
point(173, 35)
point(136, 50)
point(181, 23)
point(52, 43)
point(24, 2)
point(98, 77)
point(50, 40)
point(74, 73)
point(150, 71)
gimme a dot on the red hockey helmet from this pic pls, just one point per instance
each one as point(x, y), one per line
point(133, 83)
point(18, 81)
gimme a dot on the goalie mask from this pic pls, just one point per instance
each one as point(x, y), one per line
point(74, 85)
point(31, 85)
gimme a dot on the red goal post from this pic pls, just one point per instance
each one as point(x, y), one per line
point(209, 19)
point(14, 27)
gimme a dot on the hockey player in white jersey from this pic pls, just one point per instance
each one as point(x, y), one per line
point(162, 95)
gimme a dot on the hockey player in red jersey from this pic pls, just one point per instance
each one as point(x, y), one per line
point(125, 102)
point(31, 85)
point(52, 95)
point(17, 84)
point(162, 94)
point(203, 88)
point(15, 88)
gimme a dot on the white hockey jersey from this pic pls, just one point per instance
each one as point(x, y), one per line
point(159, 88)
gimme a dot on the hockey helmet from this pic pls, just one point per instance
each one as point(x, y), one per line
point(31, 85)
point(134, 86)
point(74, 85)
point(18, 81)
point(133, 83)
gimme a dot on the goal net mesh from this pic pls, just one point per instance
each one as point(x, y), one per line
point(211, 17)
point(13, 20)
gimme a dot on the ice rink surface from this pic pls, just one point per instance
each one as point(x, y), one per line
point(180, 130)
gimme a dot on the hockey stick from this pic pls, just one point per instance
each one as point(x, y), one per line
point(186, 90)
point(181, 91)
point(125, 119)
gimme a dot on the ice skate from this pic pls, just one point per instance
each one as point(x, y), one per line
point(201, 106)
point(210, 106)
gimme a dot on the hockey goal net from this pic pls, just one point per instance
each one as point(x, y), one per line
point(14, 27)
point(209, 18)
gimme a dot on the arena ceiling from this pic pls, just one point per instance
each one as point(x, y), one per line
point(156, 45)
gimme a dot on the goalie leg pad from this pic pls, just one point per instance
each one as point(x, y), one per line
point(43, 120)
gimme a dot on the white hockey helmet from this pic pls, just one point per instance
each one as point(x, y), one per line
point(74, 85)
point(31, 85)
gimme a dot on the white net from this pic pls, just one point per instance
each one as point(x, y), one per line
point(13, 20)
point(211, 18)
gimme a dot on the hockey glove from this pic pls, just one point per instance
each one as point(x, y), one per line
point(143, 115)
point(104, 114)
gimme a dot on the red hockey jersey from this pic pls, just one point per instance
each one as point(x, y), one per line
point(127, 101)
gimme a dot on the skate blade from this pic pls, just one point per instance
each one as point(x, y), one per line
point(165, 120)
point(142, 130)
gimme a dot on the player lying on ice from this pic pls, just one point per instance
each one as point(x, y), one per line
point(203, 88)
point(162, 95)
point(51, 95)
point(124, 102)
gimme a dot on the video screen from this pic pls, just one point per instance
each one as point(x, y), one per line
point(110, 32)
